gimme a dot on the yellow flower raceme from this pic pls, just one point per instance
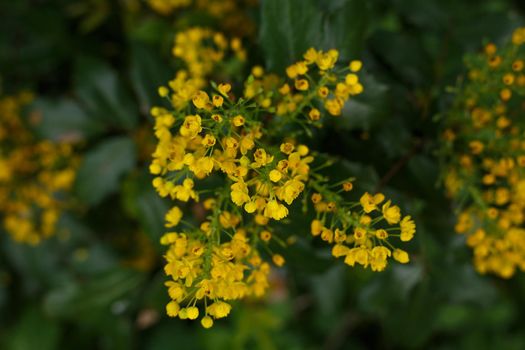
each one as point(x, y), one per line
point(355, 234)
point(212, 137)
point(33, 174)
point(483, 150)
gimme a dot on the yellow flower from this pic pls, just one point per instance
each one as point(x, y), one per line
point(208, 140)
point(173, 217)
point(228, 220)
point(505, 94)
point(351, 79)
point(219, 309)
point(476, 147)
point(316, 198)
point(278, 260)
point(291, 71)
point(239, 193)
point(408, 228)
point(266, 235)
point(185, 191)
point(322, 92)
point(217, 100)
point(172, 309)
point(327, 60)
point(310, 55)
point(369, 202)
point(348, 186)
point(333, 106)
point(275, 210)
point(163, 91)
point(192, 312)
point(302, 84)
point(250, 207)
point(378, 258)
point(275, 175)
point(361, 255)
point(207, 322)
point(401, 256)
point(381, 234)
point(287, 148)
point(201, 99)
point(261, 158)
point(392, 214)
point(327, 235)
point(238, 120)
point(316, 227)
point(340, 250)
point(257, 71)
point(191, 126)
point(508, 79)
point(285, 89)
point(154, 168)
point(224, 88)
point(314, 114)
point(290, 190)
point(202, 167)
point(359, 233)
point(355, 65)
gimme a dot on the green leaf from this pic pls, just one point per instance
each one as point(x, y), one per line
point(103, 167)
point(144, 204)
point(92, 297)
point(37, 265)
point(147, 73)
point(367, 110)
point(64, 120)
point(392, 48)
point(103, 95)
point(33, 331)
point(151, 30)
point(345, 27)
point(33, 43)
point(288, 29)
point(328, 289)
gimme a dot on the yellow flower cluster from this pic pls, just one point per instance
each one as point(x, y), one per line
point(33, 175)
point(360, 236)
point(313, 78)
point(202, 49)
point(230, 155)
point(166, 7)
point(231, 15)
point(484, 147)
point(202, 52)
point(204, 270)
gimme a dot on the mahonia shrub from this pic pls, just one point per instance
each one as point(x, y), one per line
point(484, 156)
point(235, 150)
point(35, 175)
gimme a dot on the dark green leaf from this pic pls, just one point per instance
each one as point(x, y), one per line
point(94, 296)
point(33, 331)
point(145, 205)
point(147, 73)
point(64, 120)
point(103, 167)
point(345, 28)
point(103, 95)
point(288, 29)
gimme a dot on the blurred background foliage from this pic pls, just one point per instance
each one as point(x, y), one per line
point(94, 66)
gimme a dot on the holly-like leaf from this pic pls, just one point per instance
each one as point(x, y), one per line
point(103, 95)
point(103, 167)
